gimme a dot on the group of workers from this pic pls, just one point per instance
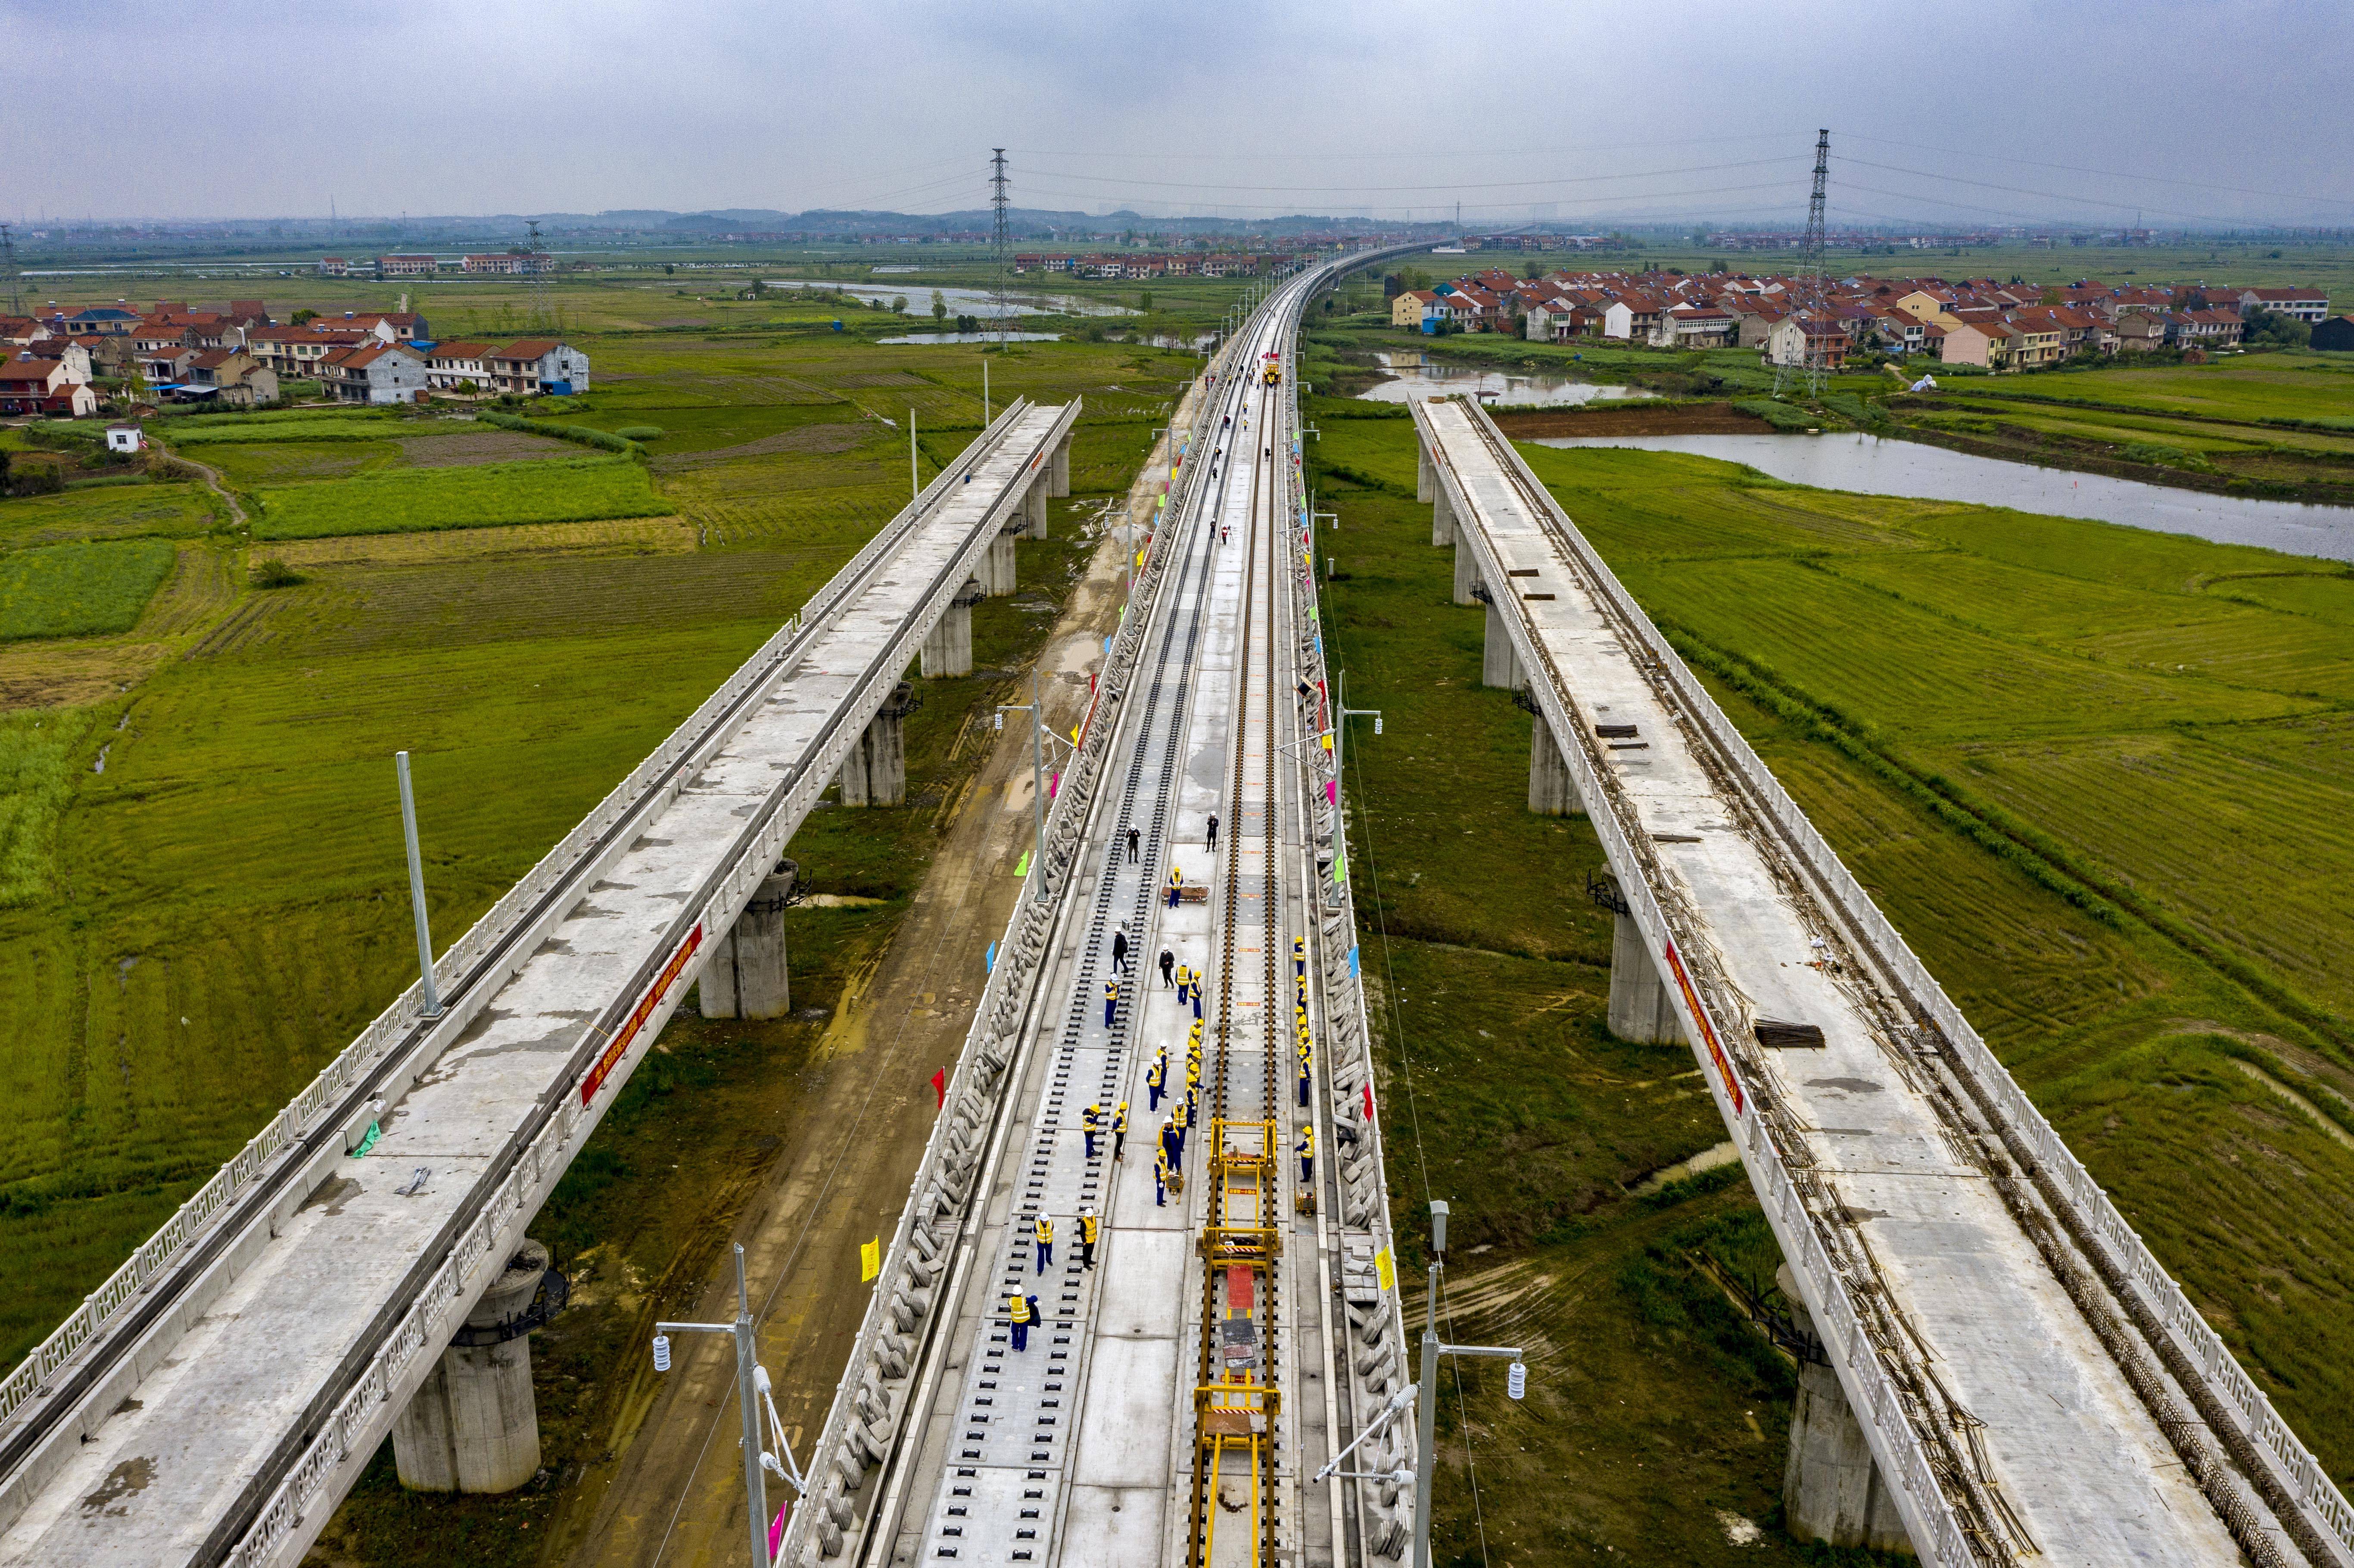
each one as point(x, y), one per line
point(1021, 1309)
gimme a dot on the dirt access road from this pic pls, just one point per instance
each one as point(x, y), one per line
point(673, 1495)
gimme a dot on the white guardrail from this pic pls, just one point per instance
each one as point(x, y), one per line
point(326, 1091)
point(350, 1433)
point(1376, 1350)
point(1874, 1395)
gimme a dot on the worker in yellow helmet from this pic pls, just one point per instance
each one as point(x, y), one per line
point(1299, 956)
point(1306, 1149)
point(1091, 1126)
point(1307, 1066)
point(1120, 1134)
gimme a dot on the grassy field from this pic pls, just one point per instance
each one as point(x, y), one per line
point(571, 490)
point(79, 590)
point(238, 864)
point(2097, 777)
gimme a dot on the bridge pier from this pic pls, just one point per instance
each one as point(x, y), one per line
point(1832, 1488)
point(746, 975)
point(1499, 662)
point(1058, 473)
point(1442, 527)
point(876, 771)
point(1467, 573)
point(995, 571)
point(948, 650)
point(1640, 1008)
point(1425, 479)
point(473, 1427)
point(1551, 791)
point(1034, 508)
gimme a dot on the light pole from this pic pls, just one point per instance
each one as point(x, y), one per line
point(1343, 713)
point(1426, 1410)
point(431, 1002)
point(752, 1391)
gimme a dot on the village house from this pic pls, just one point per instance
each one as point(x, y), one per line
point(373, 372)
point(232, 377)
point(460, 367)
point(535, 365)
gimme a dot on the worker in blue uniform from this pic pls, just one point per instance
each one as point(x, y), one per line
point(1044, 1232)
point(1158, 1077)
point(1019, 1311)
point(1090, 1125)
point(1306, 1149)
point(1111, 1000)
point(1120, 1134)
point(1088, 1231)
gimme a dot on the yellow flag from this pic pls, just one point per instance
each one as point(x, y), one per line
point(870, 1259)
point(1385, 1266)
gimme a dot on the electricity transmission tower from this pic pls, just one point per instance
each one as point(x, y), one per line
point(8, 265)
point(1810, 274)
point(997, 203)
point(535, 259)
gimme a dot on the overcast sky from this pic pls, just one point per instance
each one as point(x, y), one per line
point(2229, 111)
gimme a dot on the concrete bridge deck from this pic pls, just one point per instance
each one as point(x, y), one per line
point(1995, 1377)
point(224, 1426)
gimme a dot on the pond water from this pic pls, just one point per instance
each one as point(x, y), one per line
point(1886, 466)
point(965, 302)
point(1419, 378)
point(974, 337)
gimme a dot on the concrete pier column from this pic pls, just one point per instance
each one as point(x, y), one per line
point(1499, 662)
point(876, 771)
point(1831, 1487)
point(948, 650)
point(473, 1427)
point(1551, 791)
point(1033, 509)
point(996, 573)
point(1442, 516)
point(1425, 482)
point(746, 975)
point(1640, 1008)
point(1467, 573)
point(1059, 473)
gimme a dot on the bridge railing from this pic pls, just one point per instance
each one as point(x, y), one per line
point(2203, 1348)
point(1386, 1511)
point(456, 965)
point(392, 1371)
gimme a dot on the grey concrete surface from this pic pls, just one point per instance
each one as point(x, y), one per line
point(473, 1427)
point(749, 974)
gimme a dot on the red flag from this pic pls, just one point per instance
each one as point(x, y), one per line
point(1369, 1099)
point(941, 1086)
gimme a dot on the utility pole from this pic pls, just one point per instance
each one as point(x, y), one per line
point(8, 265)
point(1810, 270)
point(431, 1002)
point(752, 1391)
point(915, 483)
point(1426, 1411)
point(536, 258)
point(997, 201)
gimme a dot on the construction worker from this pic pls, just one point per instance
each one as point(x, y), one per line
point(1197, 999)
point(1167, 961)
point(1160, 1172)
point(1091, 1124)
point(1299, 956)
point(1181, 1116)
point(1156, 1078)
point(1120, 1134)
point(1111, 1000)
point(1213, 833)
point(1119, 950)
point(1184, 985)
point(1192, 1074)
point(1019, 1310)
point(1307, 1066)
point(1044, 1232)
point(1087, 1226)
point(1306, 1150)
point(1172, 1149)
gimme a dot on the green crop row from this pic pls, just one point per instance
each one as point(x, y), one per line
point(81, 589)
point(404, 501)
point(563, 432)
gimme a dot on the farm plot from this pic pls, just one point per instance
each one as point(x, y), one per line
point(551, 490)
point(79, 590)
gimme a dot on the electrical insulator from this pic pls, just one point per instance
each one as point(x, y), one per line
point(1001, 721)
point(1517, 1384)
point(1378, 724)
point(661, 1353)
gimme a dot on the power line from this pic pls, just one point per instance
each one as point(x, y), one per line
point(2022, 190)
point(2103, 174)
point(1124, 183)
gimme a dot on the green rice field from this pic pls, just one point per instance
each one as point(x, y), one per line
point(79, 590)
point(567, 491)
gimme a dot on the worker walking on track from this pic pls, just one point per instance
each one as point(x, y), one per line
point(1019, 1311)
point(1120, 950)
point(1120, 1134)
point(1111, 1000)
point(1132, 837)
point(1088, 1224)
point(1090, 1125)
point(1306, 1150)
point(1044, 1232)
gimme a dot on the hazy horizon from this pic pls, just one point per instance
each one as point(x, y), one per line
point(1392, 111)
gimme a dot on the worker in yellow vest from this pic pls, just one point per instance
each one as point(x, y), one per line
point(1044, 1232)
point(1090, 1126)
point(1307, 1066)
point(1178, 1118)
point(1162, 1170)
point(1111, 1000)
point(1299, 958)
point(1157, 1079)
point(1306, 1150)
point(1019, 1310)
point(1087, 1226)
point(1176, 885)
point(1120, 1134)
